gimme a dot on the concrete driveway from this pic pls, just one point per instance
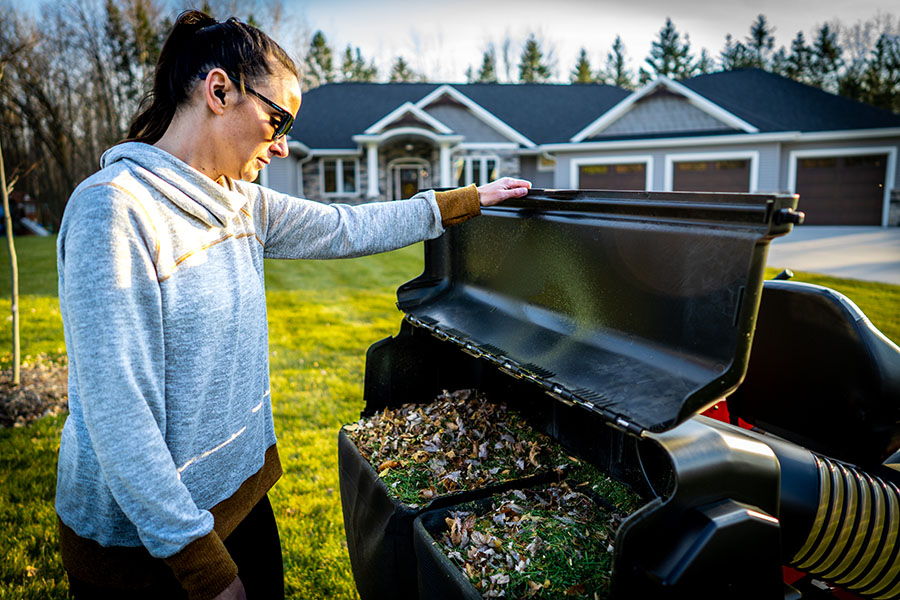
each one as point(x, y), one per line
point(868, 253)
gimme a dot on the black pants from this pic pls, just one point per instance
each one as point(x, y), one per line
point(255, 547)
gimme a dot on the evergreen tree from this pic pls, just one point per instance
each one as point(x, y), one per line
point(617, 72)
point(760, 43)
point(881, 79)
point(668, 55)
point(402, 72)
point(799, 61)
point(826, 59)
point(582, 71)
point(735, 55)
point(532, 67)
point(780, 64)
point(354, 67)
point(319, 62)
point(488, 71)
point(705, 63)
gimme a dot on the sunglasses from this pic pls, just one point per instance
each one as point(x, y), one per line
point(285, 121)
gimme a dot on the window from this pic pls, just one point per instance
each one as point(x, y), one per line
point(476, 169)
point(339, 176)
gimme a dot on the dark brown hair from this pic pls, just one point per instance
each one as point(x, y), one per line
point(196, 44)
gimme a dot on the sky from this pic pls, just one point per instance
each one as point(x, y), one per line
point(443, 38)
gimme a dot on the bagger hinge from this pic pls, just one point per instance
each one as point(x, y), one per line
point(511, 367)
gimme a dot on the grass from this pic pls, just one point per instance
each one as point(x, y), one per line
point(322, 317)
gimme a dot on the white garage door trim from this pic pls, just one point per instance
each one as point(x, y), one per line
point(646, 159)
point(889, 172)
point(671, 159)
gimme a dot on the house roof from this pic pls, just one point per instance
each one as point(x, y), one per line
point(774, 103)
point(332, 114)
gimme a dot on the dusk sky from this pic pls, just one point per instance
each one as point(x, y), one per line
point(444, 38)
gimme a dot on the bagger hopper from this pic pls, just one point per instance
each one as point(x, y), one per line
point(612, 320)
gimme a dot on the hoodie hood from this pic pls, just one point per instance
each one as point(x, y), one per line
point(185, 186)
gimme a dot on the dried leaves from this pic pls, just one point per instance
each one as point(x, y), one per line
point(552, 542)
point(461, 441)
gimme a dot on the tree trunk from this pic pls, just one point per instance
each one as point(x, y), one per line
point(13, 270)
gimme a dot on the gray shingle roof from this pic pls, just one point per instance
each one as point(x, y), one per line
point(774, 103)
point(331, 114)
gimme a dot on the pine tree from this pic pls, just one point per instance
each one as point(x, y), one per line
point(735, 55)
point(488, 71)
point(881, 79)
point(705, 63)
point(780, 62)
point(760, 43)
point(668, 55)
point(617, 73)
point(354, 67)
point(319, 61)
point(402, 72)
point(799, 61)
point(582, 71)
point(532, 68)
point(826, 59)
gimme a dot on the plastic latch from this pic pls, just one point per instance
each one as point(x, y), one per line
point(789, 215)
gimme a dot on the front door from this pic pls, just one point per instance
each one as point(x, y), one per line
point(409, 182)
point(407, 179)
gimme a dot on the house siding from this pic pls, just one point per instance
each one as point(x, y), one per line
point(461, 121)
point(529, 170)
point(663, 113)
point(282, 176)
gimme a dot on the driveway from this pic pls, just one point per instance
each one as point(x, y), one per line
point(868, 253)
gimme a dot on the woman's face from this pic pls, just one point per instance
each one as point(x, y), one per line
point(246, 146)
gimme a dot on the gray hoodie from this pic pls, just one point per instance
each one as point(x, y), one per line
point(162, 296)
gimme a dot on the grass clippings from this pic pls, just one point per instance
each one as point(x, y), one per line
point(553, 542)
point(459, 442)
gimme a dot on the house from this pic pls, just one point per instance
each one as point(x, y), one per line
point(735, 131)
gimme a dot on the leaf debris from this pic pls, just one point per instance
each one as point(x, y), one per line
point(461, 441)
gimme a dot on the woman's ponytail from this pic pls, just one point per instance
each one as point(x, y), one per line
point(196, 44)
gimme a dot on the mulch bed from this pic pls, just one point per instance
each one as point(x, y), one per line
point(42, 391)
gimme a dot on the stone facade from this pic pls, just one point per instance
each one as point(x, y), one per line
point(415, 150)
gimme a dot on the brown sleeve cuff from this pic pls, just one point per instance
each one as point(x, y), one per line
point(204, 568)
point(458, 205)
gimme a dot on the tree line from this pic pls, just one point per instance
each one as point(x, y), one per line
point(861, 61)
point(73, 80)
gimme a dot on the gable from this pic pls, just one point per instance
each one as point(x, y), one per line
point(410, 120)
point(662, 112)
point(461, 120)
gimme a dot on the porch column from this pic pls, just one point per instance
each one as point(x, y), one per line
point(445, 165)
point(372, 156)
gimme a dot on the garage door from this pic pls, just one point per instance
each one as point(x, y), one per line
point(711, 176)
point(842, 190)
point(628, 176)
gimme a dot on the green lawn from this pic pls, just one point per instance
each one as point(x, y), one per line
point(322, 317)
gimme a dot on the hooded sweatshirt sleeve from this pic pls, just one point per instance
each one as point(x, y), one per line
point(110, 299)
point(297, 228)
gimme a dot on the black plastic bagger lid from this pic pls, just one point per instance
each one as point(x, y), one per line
point(637, 305)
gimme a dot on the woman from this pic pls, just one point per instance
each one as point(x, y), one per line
point(169, 449)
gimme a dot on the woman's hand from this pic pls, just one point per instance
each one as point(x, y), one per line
point(502, 189)
point(234, 591)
